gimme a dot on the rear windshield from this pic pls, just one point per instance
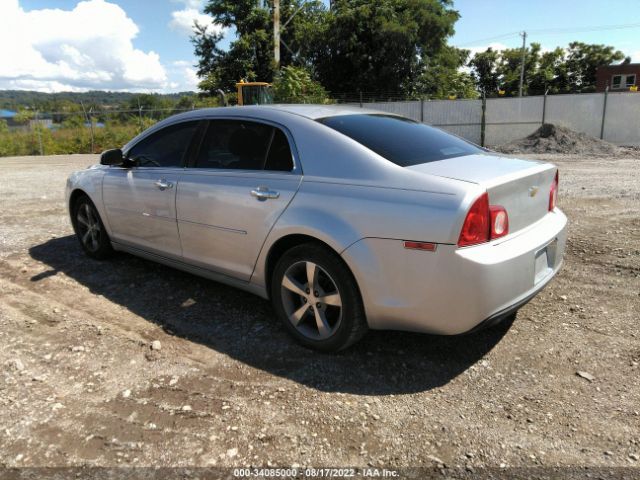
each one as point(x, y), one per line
point(400, 140)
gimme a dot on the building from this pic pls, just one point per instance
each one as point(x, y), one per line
point(8, 116)
point(619, 78)
point(42, 122)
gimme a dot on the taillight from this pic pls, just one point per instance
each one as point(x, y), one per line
point(553, 193)
point(499, 221)
point(484, 222)
point(475, 228)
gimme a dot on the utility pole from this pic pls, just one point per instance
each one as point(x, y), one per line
point(524, 54)
point(140, 114)
point(276, 33)
point(89, 121)
point(39, 132)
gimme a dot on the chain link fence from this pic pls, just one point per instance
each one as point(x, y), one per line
point(614, 117)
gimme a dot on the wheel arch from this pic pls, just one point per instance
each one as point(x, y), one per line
point(76, 193)
point(285, 243)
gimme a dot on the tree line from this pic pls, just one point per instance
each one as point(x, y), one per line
point(386, 49)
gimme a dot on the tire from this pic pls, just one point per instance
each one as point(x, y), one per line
point(90, 231)
point(329, 317)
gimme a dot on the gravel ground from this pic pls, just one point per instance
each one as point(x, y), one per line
point(83, 383)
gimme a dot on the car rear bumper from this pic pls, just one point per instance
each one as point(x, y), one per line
point(455, 290)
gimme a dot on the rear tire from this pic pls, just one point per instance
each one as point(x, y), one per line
point(317, 299)
point(90, 231)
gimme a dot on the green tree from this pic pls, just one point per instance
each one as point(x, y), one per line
point(443, 77)
point(149, 102)
point(582, 61)
point(250, 56)
point(357, 45)
point(509, 67)
point(23, 117)
point(484, 71)
point(294, 84)
point(550, 74)
point(382, 46)
point(559, 71)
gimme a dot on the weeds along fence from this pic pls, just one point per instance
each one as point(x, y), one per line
point(614, 117)
point(58, 133)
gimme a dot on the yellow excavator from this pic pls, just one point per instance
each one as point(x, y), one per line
point(250, 93)
point(254, 93)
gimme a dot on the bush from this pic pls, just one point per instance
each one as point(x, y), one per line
point(295, 85)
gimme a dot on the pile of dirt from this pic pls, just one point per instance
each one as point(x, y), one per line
point(551, 138)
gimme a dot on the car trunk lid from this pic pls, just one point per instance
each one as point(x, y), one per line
point(520, 186)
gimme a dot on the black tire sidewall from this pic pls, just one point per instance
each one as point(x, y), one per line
point(352, 309)
point(104, 249)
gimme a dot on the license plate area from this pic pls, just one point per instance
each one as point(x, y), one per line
point(545, 259)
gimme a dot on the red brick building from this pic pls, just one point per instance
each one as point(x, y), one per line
point(619, 78)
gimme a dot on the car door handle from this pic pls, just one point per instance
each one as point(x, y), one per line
point(263, 193)
point(162, 184)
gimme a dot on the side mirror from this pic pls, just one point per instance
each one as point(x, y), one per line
point(112, 157)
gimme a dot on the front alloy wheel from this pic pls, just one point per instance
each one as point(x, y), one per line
point(90, 230)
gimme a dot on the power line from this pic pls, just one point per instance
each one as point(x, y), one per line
point(594, 28)
point(554, 31)
point(488, 39)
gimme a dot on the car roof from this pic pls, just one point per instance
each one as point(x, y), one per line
point(315, 111)
point(310, 111)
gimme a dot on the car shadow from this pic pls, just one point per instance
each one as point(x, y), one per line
point(244, 327)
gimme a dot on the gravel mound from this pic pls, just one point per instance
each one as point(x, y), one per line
point(551, 138)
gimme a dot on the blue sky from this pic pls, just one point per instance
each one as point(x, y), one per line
point(481, 19)
point(144, 44)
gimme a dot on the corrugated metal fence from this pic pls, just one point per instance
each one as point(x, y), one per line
point(614, 117)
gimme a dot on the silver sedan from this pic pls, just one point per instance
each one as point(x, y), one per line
point(346, 219)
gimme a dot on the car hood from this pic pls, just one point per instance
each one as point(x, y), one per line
point(479, 168)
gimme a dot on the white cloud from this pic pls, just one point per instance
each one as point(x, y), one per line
point(89, 47)
point(183, 76)
point(635, 56)
point(184, 20)
point(496, 47)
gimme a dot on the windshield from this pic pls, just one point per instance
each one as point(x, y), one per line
point(400, 140)
point(257, 95)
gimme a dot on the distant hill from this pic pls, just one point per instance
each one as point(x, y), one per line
point(14, 99)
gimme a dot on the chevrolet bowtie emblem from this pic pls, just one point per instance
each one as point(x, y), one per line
point(533, 191)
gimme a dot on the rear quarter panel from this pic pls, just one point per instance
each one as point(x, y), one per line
point(340, 214)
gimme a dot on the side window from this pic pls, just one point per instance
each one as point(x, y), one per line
point(617, 81)
point(234, 144)
point(164, 148)
point(279, 157)
point(631, 81)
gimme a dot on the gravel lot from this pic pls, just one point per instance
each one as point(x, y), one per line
point(80, 383)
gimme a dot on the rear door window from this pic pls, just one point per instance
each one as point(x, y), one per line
point(279, 157)
point(244, 145)
point(234, 144)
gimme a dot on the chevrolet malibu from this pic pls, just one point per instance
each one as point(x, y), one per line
point(346, 219)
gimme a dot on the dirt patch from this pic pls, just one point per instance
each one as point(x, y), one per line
point(81, 386)
point(551, 138)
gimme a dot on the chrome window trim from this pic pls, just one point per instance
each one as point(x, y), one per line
point(297, 164)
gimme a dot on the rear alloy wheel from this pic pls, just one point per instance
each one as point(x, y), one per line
point(90, 230)
point(317, 298)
